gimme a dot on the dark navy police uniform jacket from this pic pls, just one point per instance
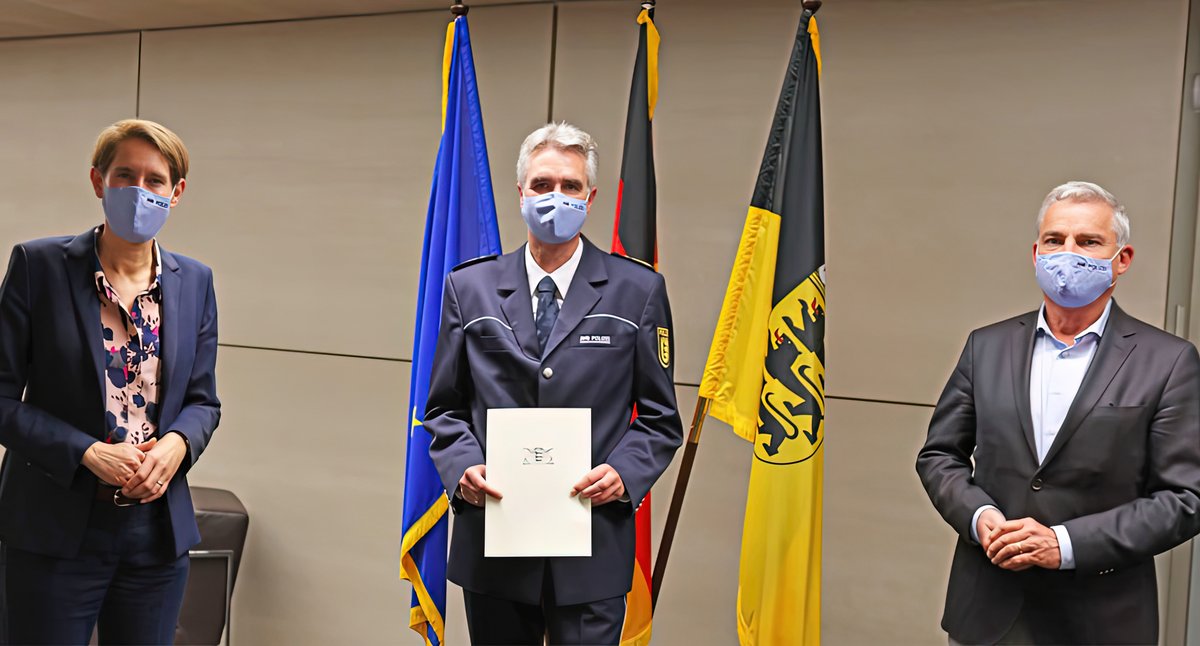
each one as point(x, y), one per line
point(52, 389)
point(609, 351)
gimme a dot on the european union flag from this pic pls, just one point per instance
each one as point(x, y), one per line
point(460, 225)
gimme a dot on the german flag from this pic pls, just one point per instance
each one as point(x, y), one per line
point(765, 374)
point(635, 235)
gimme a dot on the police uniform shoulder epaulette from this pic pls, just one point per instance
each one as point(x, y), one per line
point(636, 260)
point(474, 261)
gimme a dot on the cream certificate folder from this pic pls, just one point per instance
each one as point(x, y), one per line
point(534, 457)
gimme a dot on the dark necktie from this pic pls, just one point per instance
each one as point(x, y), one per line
point(547, 311)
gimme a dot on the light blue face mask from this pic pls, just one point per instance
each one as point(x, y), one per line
point(1073, 280)
point(553, 218)
point(135, 214)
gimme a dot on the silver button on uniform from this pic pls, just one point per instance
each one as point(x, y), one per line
point(548, 373)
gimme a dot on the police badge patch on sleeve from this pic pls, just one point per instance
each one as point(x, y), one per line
point(664, 347)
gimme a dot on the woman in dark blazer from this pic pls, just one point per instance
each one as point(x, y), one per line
point(108, 348)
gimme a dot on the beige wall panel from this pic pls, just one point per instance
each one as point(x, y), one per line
point(946, 123)
point(699, 593)
point(314, 447)
point(313, 146)
point(25, 18)
point(58, 95)
point(887, 551)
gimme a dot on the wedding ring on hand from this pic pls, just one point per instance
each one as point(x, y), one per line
point(160, 483)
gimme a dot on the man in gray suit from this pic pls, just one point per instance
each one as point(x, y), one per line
point(1084, 427)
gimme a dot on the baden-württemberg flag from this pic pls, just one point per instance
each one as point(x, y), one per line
point(766, 374)
point(460, 225)
point(635, 235)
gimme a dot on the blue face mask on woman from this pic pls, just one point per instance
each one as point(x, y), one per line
point(1074, 280)
point(553, 218)
point(135, 214)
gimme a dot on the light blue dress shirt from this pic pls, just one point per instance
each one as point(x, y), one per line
point(1055, 374)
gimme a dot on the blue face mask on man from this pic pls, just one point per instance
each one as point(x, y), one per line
point(1074, 280)
point(135, 214)
point(553, 218)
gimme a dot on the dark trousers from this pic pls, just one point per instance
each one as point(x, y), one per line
point(126, 579)
point(492, 621)
point(1041, 623)
point(1034, 626)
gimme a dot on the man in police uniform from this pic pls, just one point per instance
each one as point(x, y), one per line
point(555, 324)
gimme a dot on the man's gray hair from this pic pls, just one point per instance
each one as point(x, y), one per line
point(562, 136)
point(1076, 191)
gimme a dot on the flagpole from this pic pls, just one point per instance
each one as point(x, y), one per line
point(689, 452)
point(681, 483)
point(459, 8)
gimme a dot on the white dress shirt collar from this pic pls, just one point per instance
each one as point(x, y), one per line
point(562, 276)
point(1096, 328)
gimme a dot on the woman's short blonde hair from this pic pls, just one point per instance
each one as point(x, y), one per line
point(167, 143)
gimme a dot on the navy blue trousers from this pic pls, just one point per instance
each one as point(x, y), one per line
point(492, 621)
point(126, 582)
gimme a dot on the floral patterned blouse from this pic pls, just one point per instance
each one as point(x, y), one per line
point(130, 336)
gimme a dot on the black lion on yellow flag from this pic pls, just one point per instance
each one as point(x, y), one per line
point(793, 397)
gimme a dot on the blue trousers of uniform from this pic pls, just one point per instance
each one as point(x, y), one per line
point(493, 621)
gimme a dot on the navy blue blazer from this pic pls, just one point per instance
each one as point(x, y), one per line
point(610, 349)
point(52, 389)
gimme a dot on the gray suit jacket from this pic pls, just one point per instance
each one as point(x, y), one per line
point(1123, 476)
